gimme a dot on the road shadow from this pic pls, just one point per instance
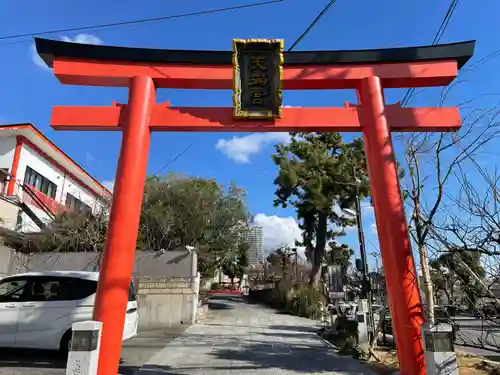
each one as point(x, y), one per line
point(31, 359)
point(153, 339)
point(294, 328)
point(225, 297)
point(184, 370)
point(300, 358)
point(149, 370)
point(219, 306)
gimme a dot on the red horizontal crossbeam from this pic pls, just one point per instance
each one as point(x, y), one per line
point(199, 76)
point(210, 119)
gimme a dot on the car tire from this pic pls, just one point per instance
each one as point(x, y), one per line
point(65, 344)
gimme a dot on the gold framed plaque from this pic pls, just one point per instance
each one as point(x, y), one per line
point(257, 78)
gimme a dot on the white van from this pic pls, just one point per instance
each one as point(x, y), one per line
point(37, 309)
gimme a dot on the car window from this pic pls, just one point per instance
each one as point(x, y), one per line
point(131, 293)
point(81, 288)
point(12, 290)
point(45, 289)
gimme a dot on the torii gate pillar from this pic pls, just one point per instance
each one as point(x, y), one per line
point(368, 72)
point(121, 237)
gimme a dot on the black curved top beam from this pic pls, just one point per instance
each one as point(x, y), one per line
point(49, 49)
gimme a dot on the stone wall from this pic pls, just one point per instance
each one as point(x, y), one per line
point(167, 302)
point(166, 283)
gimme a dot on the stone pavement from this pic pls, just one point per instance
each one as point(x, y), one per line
point(241, 338)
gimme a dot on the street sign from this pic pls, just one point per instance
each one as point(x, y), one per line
point(257, 76)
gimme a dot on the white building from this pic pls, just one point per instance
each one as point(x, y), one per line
point(255, 240)
point(38, 181)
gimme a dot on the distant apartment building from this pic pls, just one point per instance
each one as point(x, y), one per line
point(255, 239)
point(38, 181)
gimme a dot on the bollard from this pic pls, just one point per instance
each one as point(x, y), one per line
point(363, 318)
point(83, 355)
point(440, 356)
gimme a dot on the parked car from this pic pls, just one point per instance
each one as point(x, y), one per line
point(37, 309)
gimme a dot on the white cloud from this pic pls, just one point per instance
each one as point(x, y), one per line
point(239, 149)
point(37, 59)
point(79, 38)
point(373, 228)
point(83, 39)
point(91, 160)
point(278, 230)
point(108, 184)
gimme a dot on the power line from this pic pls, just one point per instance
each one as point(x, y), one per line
point(437, 38)
point(146, 20)
point(134, 22)
point(175, 158)
point(299, 39)
point(313, 23)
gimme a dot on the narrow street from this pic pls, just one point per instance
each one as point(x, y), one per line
point(242, 338)
point(236, 338)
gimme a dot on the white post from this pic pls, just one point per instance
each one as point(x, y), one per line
point(440, 356)
point(83, 355)
point(362, 319)
point(196, 293)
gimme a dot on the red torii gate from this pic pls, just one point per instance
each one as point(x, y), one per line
point(366, 71)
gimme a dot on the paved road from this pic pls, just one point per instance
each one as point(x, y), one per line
point(237, 338)
point(135, 353)
point(473, 333)
point(249, 339)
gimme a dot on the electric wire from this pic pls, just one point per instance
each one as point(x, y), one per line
point(442, 28)
point(312, 24)
point(139, 21)
point(294, 44)
point(175, 158)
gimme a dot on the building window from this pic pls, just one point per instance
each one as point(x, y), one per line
point(75, 204)
point(42, 184)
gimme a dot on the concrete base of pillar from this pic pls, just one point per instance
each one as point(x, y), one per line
point(440, 356)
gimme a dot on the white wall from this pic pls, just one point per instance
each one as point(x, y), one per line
point(79, 192)
point(7, 149)
point(27, 225)
point(30, 158)
point(64, 183)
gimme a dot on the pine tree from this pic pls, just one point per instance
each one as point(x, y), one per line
point(320, 176)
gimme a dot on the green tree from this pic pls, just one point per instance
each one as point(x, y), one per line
point(73, 232)
point(339, 254)
point(177, 211)
point(466, 267)
point(443, 280)
point(235, 266)
point(316, 176)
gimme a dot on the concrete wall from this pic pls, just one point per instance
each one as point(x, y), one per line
point(167, 283)
point(10, 261)
point(8, 214)
point(167, 302)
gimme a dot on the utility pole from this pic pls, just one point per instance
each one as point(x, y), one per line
point(296, 264)
point(361, 237)
point(366, 292)
point(376, 256)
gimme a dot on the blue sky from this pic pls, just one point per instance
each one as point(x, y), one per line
point(29, 91)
